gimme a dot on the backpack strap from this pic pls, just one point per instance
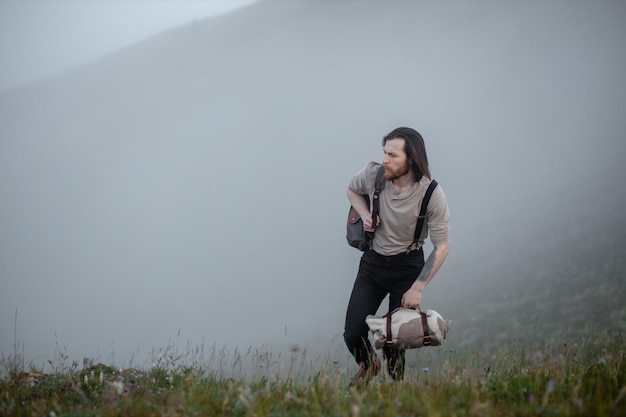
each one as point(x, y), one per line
point(378, 187)
point(355, 233)
point(422, 214)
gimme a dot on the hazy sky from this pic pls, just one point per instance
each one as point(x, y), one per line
point(41, 38)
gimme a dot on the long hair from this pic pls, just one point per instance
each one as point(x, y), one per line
point(414, 148)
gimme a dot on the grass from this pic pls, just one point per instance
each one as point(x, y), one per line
point(586, 378)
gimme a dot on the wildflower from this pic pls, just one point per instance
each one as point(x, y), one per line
point(244, 399)
point(118, 386)
point(604, 357)
point(550, 385)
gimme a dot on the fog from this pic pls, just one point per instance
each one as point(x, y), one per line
point(191, 188)
point(39, 39)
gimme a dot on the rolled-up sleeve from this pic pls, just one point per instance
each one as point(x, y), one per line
point(363, 182)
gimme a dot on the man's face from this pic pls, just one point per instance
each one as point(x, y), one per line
point(395, 162)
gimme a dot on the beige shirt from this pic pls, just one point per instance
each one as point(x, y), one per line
point(399, 212)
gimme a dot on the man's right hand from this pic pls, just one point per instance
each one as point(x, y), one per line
point(360, 205)
point(367, 223)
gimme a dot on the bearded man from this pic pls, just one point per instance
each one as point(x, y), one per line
point(394, 262)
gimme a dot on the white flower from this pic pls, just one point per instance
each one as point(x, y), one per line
point(118, 386)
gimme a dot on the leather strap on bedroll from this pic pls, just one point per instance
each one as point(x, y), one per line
point(427, 341)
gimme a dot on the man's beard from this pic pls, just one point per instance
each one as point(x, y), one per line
point(394, 175)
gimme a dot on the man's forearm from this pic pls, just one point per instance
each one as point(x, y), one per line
point(359, 203)
point(433, 263)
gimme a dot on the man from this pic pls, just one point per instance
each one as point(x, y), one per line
point(394, 264)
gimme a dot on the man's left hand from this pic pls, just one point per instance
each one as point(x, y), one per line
point(413, 297)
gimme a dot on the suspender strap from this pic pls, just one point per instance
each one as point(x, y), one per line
point(422, 215)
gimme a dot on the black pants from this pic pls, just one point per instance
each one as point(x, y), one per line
point(378, 276)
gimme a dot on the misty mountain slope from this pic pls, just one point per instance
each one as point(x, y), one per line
point(572, 288)
point(202, 173)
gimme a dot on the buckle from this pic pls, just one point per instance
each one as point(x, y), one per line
point(427, 341)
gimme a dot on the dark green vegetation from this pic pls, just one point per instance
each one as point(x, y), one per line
point(587, 378)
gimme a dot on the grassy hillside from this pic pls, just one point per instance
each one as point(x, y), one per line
point(573, 380)
point(565, 283)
